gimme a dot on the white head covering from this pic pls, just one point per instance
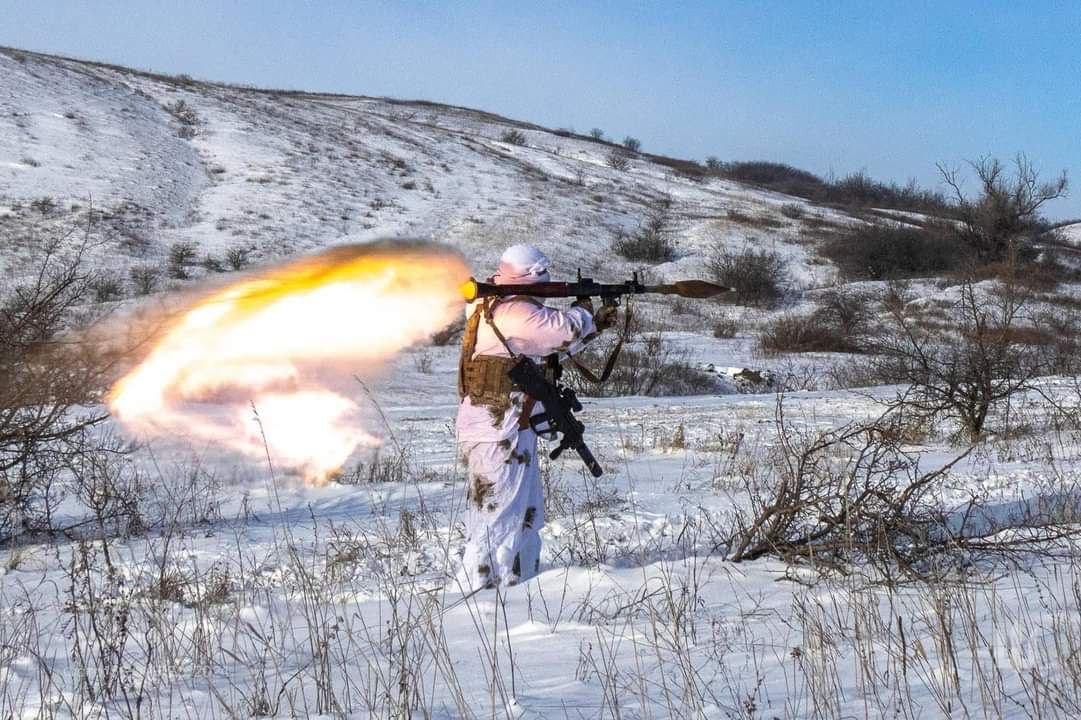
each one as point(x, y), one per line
point(522, 264)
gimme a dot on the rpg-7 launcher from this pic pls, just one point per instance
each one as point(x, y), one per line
point(609, 293)
point(560, 402)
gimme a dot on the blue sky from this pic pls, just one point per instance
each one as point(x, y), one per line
point(887, 87)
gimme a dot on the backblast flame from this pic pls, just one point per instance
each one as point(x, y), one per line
point(281, 342)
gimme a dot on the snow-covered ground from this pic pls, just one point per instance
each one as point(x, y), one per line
point(249, 593)
point(265, 596)
point(1072, 234)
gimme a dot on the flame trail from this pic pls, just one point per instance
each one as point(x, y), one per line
point(281, 340)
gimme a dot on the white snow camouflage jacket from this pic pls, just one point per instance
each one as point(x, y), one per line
point(532, 330)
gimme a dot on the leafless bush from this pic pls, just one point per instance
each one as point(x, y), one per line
point(182, 256)
point(145, 278)
point(237, 257)
point(632, 144)
point(886, 252)
point(651, 242)
point(1058, 333)
point(596, 134)
point(966, 367)
point(842, 321)
point(44, 205)
point(135, 240)
point(792, 211)
point(50, 376)
point(759, 277)
point(1006, 209)
point(107, 287)
point(618, 159)
point(801, 333)
point(396, 467)
point(422, 360)
point(964, 370)
point(759, 220)
point(212, 264)
point(513, 137)
point(110, 488)
point(184, 113)
point(853, 498)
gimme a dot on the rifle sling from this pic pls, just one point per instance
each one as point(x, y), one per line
point(530, 401)
point(610, 363)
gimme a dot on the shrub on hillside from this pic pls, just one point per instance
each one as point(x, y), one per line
point(799, 334)
point(885, 252)
point(651, 242)
point(1006, 211)
point(237, 257)
point(44, 205)
point(841, 323)
point(183, 112)
point(982, 353)
point(513, 137)
point(106, 287)
point(725, 328)
point(632, 144)
point(50, 395)
point(792, 211)
point(181, 258)
point(759, 277)
point(853, 190)
point(144, 278)
point(618, 159)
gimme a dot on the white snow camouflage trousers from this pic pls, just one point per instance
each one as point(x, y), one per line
point(504, 512)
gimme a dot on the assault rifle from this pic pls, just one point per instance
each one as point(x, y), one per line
point(560, 403)
point(609, 293)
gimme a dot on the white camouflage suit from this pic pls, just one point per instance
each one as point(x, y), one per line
point(505, 499)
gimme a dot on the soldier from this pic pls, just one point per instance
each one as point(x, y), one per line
point(504, 497)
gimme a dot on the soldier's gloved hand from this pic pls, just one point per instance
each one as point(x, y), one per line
point(584, 302)
point(605, 317)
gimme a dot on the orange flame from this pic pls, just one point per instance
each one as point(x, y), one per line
point(281, 341)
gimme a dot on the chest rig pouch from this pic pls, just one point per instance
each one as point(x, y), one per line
point(483, 378)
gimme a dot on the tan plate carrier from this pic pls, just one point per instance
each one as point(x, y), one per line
point(483, 378)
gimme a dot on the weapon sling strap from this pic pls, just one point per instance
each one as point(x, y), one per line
point(489, 371)
point(530, 401)
point(610, 363)
point(489, 313)
point(482, 377)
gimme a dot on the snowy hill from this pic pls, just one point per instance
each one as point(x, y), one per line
point(281, 173)
point(1071, 234)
